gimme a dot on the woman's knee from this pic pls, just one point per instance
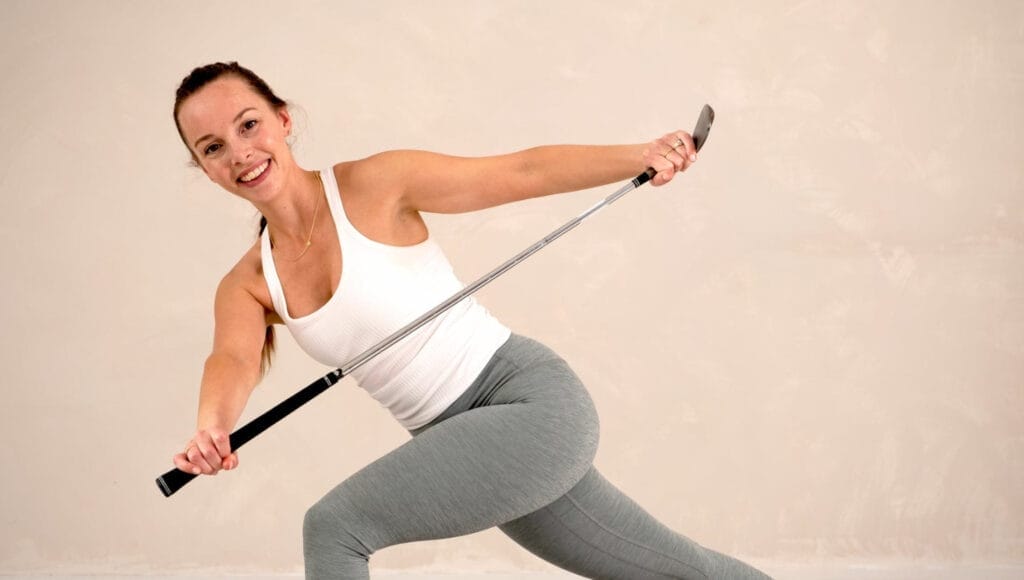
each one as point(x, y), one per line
point(579, 414)
point(568, 422)
point(329, 527)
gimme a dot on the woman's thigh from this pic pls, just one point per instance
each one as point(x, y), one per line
point(534, 439)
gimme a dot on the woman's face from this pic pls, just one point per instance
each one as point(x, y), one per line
point(237, 137)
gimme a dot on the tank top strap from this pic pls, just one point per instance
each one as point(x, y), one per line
point(346, 231)
point(270, 275)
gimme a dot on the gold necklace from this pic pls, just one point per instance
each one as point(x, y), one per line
point(309, 239)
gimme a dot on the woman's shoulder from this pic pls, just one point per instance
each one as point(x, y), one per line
point(375, 177)
point(247, 274)
point(371, 192)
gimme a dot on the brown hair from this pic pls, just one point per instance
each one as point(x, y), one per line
point(199, 78)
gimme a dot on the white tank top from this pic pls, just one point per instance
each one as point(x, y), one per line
point(383, 288)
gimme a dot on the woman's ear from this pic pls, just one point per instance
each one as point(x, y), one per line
point(286, 120)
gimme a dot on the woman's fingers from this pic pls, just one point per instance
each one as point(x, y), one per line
point(200, 459)
point(182, 463)
point(199, 465)
point(655, 158)
point(676, 151)
point(222, 445)
point(208, 452)
point(687, 148)
point(228, 459)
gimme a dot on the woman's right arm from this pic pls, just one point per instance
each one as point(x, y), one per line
point(230, 374)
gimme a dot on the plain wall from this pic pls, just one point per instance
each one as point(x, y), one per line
point(809, 347)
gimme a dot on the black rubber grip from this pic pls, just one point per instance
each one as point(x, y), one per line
point(175, 479)
point(644, 177)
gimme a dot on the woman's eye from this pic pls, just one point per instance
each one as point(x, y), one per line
point(250, 123)
point(212, 148)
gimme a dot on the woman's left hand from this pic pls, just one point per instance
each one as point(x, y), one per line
point(672, 153)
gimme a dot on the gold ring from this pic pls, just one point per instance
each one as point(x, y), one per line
point(678, 143)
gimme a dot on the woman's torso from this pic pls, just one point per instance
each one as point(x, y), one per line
point(377, 269)
point(311, 281)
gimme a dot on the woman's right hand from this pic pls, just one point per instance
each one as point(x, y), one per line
point(208, 452)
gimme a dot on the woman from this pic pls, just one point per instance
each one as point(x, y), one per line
point(503, 432)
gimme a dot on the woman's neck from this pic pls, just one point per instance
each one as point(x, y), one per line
point(290, 214)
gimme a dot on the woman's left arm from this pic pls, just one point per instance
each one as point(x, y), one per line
point(437, 183)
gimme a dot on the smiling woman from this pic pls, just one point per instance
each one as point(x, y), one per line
point(199, 79)
point(504, 433)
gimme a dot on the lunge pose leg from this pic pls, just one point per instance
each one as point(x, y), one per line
point(515, 450)
point(521, 436)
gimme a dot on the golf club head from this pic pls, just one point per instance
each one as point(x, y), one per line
point(703, 127)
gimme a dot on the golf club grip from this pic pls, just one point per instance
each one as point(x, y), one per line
point(175, 479)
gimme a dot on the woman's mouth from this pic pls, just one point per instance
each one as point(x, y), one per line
point(256, 175)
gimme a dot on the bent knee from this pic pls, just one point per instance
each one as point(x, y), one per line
point(586, 430)
point(579, 417)
point(571, 424)
point(319, 521)
point(332, 528)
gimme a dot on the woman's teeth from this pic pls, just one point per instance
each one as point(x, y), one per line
point(255, 172)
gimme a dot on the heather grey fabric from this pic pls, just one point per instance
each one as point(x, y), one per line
point(514, 451)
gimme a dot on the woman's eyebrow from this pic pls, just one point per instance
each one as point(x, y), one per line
point(235, 120)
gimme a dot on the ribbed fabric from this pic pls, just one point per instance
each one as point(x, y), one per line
point(383, 288)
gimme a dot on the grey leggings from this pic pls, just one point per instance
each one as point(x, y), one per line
point(514, 451)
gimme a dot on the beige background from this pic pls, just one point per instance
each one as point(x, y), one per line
point(809, 348)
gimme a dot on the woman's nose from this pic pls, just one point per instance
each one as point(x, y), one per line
point(241, 153)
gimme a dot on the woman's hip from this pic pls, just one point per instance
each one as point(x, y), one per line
point(525, 371)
